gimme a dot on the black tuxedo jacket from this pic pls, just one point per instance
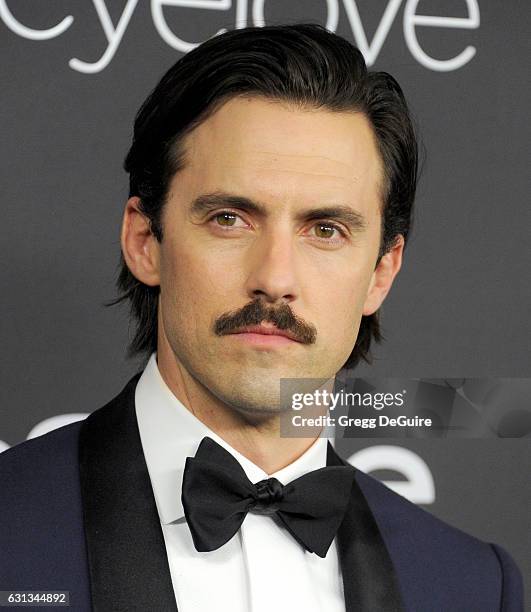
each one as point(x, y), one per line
point(77, 513)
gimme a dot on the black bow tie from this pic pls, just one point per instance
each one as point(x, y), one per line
point(217, 495)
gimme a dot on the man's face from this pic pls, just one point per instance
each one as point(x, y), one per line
point(219, 252)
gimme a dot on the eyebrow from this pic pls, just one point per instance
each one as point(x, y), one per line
point(346, 215)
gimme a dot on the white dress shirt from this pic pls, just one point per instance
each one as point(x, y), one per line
point(262, 568)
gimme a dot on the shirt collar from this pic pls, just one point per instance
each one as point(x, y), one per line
point(170, 433)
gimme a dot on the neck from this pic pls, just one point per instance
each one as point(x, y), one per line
point(257, 440)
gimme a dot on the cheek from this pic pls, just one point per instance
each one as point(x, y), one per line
point(179, 303)
point(341, 304)
point(194, 287)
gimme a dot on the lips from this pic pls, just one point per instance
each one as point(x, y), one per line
point(267, 330)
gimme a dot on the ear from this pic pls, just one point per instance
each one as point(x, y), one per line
point(383, 277)
point(140, 248)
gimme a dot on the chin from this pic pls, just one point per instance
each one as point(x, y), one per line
point(251, 393)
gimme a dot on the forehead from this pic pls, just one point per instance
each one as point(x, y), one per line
point(282, 150)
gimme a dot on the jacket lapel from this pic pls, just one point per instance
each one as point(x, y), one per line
point(128, 566)
point(369, 578)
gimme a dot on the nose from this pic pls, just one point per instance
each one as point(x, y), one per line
point(273, 275)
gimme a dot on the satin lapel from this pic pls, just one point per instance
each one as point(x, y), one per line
point(369, 578)
point(127, 558)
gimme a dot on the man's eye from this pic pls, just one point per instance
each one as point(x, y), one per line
point(327, 231)
point(226, 219)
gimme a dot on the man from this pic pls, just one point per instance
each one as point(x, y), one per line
point(271, 185)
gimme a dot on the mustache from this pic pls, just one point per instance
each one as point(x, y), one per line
point(257, 311)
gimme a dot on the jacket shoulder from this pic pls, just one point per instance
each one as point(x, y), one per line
point(432, 556)
point(41, 524)
point(42, 536)
point(32, 466)
point(40, 460)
